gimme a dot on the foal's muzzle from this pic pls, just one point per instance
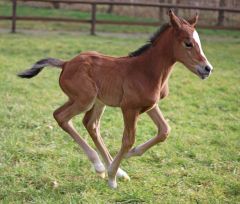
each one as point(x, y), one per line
point(204, 71)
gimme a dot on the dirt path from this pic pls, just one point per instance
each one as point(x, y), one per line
point(76, 33)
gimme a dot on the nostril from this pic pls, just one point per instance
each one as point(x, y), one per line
point(207, 68)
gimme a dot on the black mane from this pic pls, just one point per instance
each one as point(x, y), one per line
point(150, 42)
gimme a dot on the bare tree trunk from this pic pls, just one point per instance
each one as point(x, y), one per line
point(222, 3)
point(110, 8)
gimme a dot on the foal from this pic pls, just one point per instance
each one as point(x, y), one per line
point(134, 83)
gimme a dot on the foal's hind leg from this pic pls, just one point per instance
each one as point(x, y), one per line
point(63, 116)
point(91, 121)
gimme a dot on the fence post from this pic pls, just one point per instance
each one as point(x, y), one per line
point(161, 12)
point(14, 14)
point(176, 10)
point(93, 20)
point(220, 22)
point(110, 8)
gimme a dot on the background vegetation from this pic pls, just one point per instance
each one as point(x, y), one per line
point(24, 10)
point(39, 163)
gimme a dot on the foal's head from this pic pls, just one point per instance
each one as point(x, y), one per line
point(187, 46)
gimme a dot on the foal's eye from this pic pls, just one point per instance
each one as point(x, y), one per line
point(188, 44)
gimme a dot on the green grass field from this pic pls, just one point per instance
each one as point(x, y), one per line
point(199, 163)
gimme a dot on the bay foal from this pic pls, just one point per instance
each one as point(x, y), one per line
point(134, 83)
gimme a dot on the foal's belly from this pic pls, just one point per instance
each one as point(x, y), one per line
point(110, 96)
point(109, 86)
point(109, 101)
point(110, 92)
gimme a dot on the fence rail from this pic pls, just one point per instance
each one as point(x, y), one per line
point(93, 21)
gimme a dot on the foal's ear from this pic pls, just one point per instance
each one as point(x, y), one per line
point(193, 21)
point(175, 21)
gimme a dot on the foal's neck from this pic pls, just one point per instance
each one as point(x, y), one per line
point(160, 58)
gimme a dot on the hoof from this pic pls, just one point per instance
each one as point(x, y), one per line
point(122, 174)
point(100, 169)
point(101, 174)
point(112, 184)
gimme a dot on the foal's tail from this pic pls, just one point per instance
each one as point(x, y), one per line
point(39, 65)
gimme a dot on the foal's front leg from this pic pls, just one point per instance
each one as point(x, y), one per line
point(91, 121)
point(130, 120)
point(163, 131)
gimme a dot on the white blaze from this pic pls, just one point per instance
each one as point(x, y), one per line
point(197, 39)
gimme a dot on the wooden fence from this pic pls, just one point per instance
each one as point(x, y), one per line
point(93, 21)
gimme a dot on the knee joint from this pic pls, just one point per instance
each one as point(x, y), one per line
point(92, 128)
point(85, 122)
point(163, 134)
point(58, 119)
point(127, 144)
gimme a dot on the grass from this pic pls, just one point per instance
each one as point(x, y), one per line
point(199, 163)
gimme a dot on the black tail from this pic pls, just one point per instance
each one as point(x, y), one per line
point(38, 66)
